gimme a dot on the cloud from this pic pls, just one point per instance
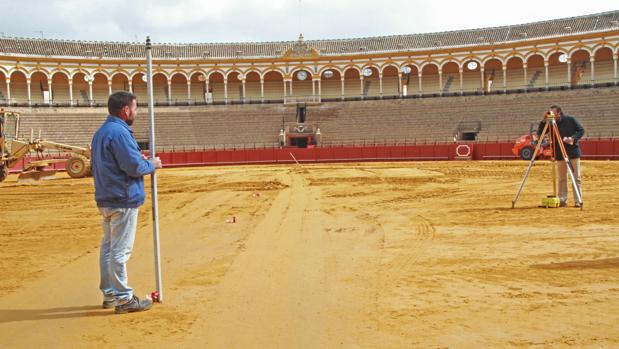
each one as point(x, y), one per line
point(267, 20)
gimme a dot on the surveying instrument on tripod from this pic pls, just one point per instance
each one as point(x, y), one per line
point(556, 143)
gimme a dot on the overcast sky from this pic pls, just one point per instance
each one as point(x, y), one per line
point(182, 21)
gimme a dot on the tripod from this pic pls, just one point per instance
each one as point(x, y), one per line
point(555, 138)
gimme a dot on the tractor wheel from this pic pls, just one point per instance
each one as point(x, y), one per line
point(526, 153)
point(78, 166)
point(4, 172)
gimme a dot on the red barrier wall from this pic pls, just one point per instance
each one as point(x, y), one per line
point(598, 149)
point(592, 149)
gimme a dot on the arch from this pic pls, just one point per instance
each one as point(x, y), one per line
point(513, 55)
point(426, 64)
point(3, 88)
point(451, 76)
point(215, 71)
point(529, 55)
point(232, 71)
point(493, 74)
point(391, 83)
point(176, 75)
point(17, 69)
point(39, 70)
point(216, 87)
point(465, 62)
point(161, 93)
point(178, 88)
point(39, 87)
point(331, 87)
point(374, 66)
point(371, 84)
point(120, 81)
point(60, 71)
point(138, 86)
point(273, 69)
point(60, 86)
point(302, 88)
point(196, 71)
point(557, 70)
point(273, 84)
point(581, 66)
point(309, 70)
point(387, 65)
point(491, 57)
point(136, 72)
point(430, 81)
point(535, 71)
point(101, 72)
point(603, 65)
point(411, 64)
point(80, 71)
point(197, 79)
point(446, 61)
point(117, 72)
point(349, 67)
point(178, 72)
point(19, 86)
point(331, 67)
point(252, 72)
point(235, 85)
point(252, 85)
point(100, 87)
point(579, 48)
point(352, 86)
point(81, 88)
point(160, 71)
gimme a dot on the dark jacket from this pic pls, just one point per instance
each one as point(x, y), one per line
point(117, 166)
point(568, 127)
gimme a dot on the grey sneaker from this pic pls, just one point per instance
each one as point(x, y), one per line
point(133, 305)
point(108, 303)
point(563, 204)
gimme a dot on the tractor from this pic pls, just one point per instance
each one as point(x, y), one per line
point(525, 145)
point(13, 149)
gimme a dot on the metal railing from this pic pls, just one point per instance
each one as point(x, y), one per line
point(497, 89)
point(328, 143)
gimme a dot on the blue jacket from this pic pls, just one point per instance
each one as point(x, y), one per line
point(117, 166)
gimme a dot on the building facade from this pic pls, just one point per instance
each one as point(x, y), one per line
point(562, 53)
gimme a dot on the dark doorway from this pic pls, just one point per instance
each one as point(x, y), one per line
point(299, 142)
point(468, 136)
point(301, 112)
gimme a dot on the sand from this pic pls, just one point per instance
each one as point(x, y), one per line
point(378, 255)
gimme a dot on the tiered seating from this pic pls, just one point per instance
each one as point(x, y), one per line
point(355, 122)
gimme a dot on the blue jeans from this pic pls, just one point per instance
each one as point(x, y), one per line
point(119, 225)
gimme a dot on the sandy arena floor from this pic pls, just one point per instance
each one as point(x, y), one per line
point(380, 255)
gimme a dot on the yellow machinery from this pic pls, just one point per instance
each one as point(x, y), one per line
point(13, 149)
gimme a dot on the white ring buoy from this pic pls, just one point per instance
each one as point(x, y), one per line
point(465, 146)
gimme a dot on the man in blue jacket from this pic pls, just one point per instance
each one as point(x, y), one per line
point(571, 132)
point(118, 168)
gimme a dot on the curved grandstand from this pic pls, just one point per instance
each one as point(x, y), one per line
point(530, 59)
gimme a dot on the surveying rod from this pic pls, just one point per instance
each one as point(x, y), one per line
point(153, 182)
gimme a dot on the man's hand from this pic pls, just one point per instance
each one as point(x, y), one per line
point(568, 140)
point(156, 162)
